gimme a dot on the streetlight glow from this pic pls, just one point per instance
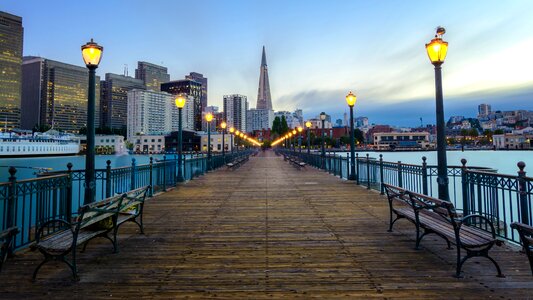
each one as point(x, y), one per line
point(209, 117)
point(308, 124)
point(232, 130)
point(351, 99)
point(300, 129)
point(180, 101)
point(223, 125)
point(437, 48)
point(92, 54)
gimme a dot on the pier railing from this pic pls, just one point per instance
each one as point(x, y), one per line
point(27, 203)
point(473, 190)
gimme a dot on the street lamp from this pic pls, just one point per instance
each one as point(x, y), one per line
point(209, 118)
point(323, 140)
point(437, 49)
point(180, 103)
point(351, 99)
point(308, 125)
point(300, 129)
point(231, 131)
point(223, 125)
point(92, 54)
point(293, 140)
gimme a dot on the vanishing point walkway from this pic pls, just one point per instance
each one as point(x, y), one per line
point(268, 231)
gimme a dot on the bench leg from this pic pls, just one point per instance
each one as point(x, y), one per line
point(48, 257)
point(391, 222)
point(470, 254)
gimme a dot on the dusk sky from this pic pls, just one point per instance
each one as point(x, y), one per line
point(316, 50)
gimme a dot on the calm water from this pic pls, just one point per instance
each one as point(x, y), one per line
point(503, 161)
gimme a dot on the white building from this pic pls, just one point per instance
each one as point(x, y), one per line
point(155, 113)
point(109, 144)
point(257, 119)
point(235, 107)
point(317, 123)
point(388, 140)
point(216, 141)
point(148, 143)
point(484, 111)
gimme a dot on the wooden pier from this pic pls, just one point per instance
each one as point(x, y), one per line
point(268, 230)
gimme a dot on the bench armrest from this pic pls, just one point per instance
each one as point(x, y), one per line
point(8, 233)
point(474, 216)
point(47, 223)
point(522, 227)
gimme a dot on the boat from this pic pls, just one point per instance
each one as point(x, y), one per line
point(50, 143)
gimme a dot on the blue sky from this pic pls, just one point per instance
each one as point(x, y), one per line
point(316, 50)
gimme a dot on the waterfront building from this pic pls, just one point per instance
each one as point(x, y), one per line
point(258, 119)
point(149, 112)
point(216, 141)
point(512, 141)
point(51, 142)
point(114, 99)
point(235, 107)
point(109, 144)
point(203, 81)
point(148, 144)
point(191, 88)
point(395, 140)
point(152, 75)
point(55, 94)
point(11, 40)
point(317, 123)
point(190, 141)
point(264, 100)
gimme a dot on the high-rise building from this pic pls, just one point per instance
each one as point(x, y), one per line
point(55, 94)
point(264, 100)
point(187, 114)
point(257, 119)
point(149, 112)
point(203, 81)
point(152, 75)
point(484, 110)
point(235, 107)
point(191, 88)
point(11, 37)
point(114, 99)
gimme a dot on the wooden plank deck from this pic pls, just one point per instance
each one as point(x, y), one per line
point(263, 231)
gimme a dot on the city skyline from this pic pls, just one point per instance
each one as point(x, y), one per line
point(317, 51)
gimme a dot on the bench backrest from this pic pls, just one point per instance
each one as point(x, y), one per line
point(434, 206)
point(397, 194)
point(92, 213)
point(133, 199)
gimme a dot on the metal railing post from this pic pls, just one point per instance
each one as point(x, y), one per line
point(348, 166)
point(424, 176)
point(68, 204)
point(381, 190)
point(400, 180)
point(164, 173)
point(11, 196)
point(151, 179)
point(522, 190)
point(108, 179)
point(357, 168)
point(464, 187)
point(367, 171)
point(132, 186)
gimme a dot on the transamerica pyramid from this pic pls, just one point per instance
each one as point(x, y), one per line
point(264, 101)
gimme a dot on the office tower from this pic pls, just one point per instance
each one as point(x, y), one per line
point(114, 99)
point(149, 112)
point(484, 110)
point(235, 107)
point(203, 81)
point(257, 119)
point(264, 100)
point(55, 94)
point(152, 75)
point(191, 88)
point(11, 37)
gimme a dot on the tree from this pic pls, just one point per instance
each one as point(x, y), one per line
point(498, 131)
point(284, 128)
point(276, 125)
point(359, 136)
point(473, 133)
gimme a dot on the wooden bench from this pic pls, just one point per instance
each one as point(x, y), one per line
point(526, 237)
point(473, 233)
point(6, 242)
point(237, 163)
point(57, 238)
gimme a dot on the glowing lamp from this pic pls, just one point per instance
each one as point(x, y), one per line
point(180, 101)
point(223, 125)
point(232, 130)
point(350, 99)
point(308, 124)
point(209, 117)
point(92, 54)
point(437, 48)
point(322, 116)
point(300, 129)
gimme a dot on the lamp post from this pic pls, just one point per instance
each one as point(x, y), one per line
point(294, 140)
point(223, 125)
point(209, 118)
point(180, 103)
point(436, 50)
point(231, 131)
point(351, 99)
point(323, 140)
point(92, 54)
point(308, 125)
point(300, 129)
